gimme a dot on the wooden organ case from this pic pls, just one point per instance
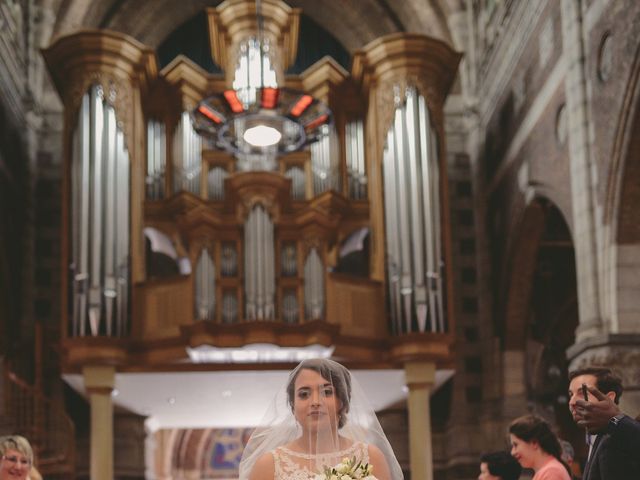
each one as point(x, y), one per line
point(262, 255)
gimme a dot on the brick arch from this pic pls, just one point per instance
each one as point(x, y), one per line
point(540, 312)
point(542, 228)
point(622, 215)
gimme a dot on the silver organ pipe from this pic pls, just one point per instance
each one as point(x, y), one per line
point(325, 162)
point(356, 173)
point(313, 286)
point(296, 174)
point(110, 220)
point(215, 182)
point(205, 300)
point(187, 158)
point(156, 159)
point(96, 162)
point(229, 307)
point(288, 262)
point(393, 247)
point(122, 235)
point(412, 211)
point(99, 220)
point(290, 307)
point(259, 265)
point(228, 261)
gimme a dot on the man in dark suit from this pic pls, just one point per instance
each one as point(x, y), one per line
point(614, 438)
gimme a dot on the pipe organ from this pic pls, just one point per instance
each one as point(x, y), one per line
point(263, 232)
point(99, 219)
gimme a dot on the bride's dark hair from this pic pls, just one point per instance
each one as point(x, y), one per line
point(333, 373)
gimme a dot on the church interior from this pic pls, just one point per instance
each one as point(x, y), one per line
point(441, 195)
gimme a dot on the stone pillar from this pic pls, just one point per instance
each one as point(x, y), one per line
point(586, 227)
point(514, 384)
point(420, 377)
point(99, 382)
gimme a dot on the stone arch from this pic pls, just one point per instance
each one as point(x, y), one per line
point(542, 227)
point(540, 312)
point(622, 216)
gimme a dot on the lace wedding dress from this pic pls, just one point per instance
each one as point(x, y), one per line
point(290, 465)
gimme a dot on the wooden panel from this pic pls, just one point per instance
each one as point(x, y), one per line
point(164, 306)
point(357, 305)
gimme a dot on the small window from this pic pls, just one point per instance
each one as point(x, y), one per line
point(470, 305)
point(43, 308)
point(465, 218)
point(469, 276)
point(474, 394)
point(471, 334)
point(463, 188)
point(473, 364)
point(467, 246)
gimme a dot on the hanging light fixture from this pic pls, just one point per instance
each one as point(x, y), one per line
point(257, 117)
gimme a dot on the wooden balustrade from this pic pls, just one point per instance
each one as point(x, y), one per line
point(357, 305)
point(162, 306)
point(44, 423)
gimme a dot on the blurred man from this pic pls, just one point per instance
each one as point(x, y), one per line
point(568, 456)
point(499, 466)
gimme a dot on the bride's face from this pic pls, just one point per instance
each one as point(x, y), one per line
point(315, 403)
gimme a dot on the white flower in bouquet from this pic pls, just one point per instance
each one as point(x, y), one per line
point(348, 469)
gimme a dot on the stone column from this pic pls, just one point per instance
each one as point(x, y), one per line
point(420, 377)
point(586, 227)
point(99, 382)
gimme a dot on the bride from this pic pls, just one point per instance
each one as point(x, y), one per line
point(320, 420)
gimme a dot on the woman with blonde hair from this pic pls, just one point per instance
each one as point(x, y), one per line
point(16, 458)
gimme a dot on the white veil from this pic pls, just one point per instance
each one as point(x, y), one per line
point(355, 422)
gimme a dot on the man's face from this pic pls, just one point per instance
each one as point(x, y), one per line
point(575, 391)
point(484, 473)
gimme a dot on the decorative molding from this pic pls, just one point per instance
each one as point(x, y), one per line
point(234, 21)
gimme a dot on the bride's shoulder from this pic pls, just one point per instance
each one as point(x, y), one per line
point(379, 462)
point(264, 468)
point(374, 452)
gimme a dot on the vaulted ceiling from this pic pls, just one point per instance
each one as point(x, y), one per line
point(352, 22)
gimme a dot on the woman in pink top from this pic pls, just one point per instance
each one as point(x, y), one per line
point(535, 446)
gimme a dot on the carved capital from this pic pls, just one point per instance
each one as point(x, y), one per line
point(117, 93)
point(390, 94)
point(617, 351)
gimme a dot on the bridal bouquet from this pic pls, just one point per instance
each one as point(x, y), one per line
point(348, 469)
